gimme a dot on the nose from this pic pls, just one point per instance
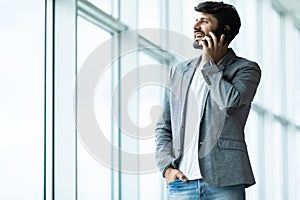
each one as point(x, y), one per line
point(197, 25)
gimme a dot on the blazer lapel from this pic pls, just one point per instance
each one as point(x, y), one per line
point(187, 76)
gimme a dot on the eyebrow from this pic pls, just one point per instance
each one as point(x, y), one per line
point(203, 18)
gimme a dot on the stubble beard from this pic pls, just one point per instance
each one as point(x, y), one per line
point(196, 45)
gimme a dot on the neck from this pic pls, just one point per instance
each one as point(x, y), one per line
point(221, 55)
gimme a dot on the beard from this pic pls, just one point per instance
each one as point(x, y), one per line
point(196, 45)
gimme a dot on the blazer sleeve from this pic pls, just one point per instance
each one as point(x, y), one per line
point(236, 93)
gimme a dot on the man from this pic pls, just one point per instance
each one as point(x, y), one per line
point(200, 146)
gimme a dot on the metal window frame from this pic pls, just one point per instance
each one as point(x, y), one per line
point(99, 18)
point(96, 16)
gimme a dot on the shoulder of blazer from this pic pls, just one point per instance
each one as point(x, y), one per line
point(240, 63)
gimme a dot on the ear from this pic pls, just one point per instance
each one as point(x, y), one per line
point(228, 36)
point(226, 27)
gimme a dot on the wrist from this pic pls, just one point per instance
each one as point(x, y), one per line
point(203, 64)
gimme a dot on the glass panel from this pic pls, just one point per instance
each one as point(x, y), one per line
point(94, 178)
point(296, 176)
point(253, 134)
point(149, 96)
point(291, 162)
point(22, 99)
point(105, 5)
point(297, 77)
point(291, 70)
point(273, 159)
point(272, 60)
point(149, 14)
point(247, 40)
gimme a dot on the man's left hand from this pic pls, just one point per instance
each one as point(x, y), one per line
point(213, 49)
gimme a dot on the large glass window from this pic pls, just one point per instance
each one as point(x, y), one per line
point(22, 100)
point(149, 97)
point(291, 70)
point(272, 58)
point(292, 172)
point(268, 132)
point(247, 41)
point(296, 176)
point(94, 179)
point(297, 76)
point(254, 140)
point(273, 162)
point(149, 14)
point(43, 53)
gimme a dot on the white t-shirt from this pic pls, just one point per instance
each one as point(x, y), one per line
point(197, 94)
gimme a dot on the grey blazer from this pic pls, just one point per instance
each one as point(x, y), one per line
point(223, 155)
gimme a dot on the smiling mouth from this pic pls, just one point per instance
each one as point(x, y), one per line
point(198, 35)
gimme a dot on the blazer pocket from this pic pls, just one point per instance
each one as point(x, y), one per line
point(232, 144)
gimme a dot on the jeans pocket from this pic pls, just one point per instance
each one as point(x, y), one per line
point(173, 184)
point(183, 190)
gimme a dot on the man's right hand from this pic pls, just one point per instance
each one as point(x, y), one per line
point(173, 174)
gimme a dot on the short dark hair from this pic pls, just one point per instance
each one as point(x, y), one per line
point(226, 14)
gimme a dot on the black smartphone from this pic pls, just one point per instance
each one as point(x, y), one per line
point(222, 30)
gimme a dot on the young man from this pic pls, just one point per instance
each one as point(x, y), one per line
point(200, 146)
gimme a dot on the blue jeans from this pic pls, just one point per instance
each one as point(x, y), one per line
point(199, 189)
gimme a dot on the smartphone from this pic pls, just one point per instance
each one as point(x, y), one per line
point(222, 30)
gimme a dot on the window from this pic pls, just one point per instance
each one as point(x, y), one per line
point(94, 179)
point(44, 53)
point(22, 100)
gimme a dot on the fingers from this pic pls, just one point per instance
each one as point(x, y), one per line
point(203, 44)
point(210, 41)
point(222, 39)
point(213, 48)
point(174, 174)
point(181, 176)
point(206, 42)
point(214, 39)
